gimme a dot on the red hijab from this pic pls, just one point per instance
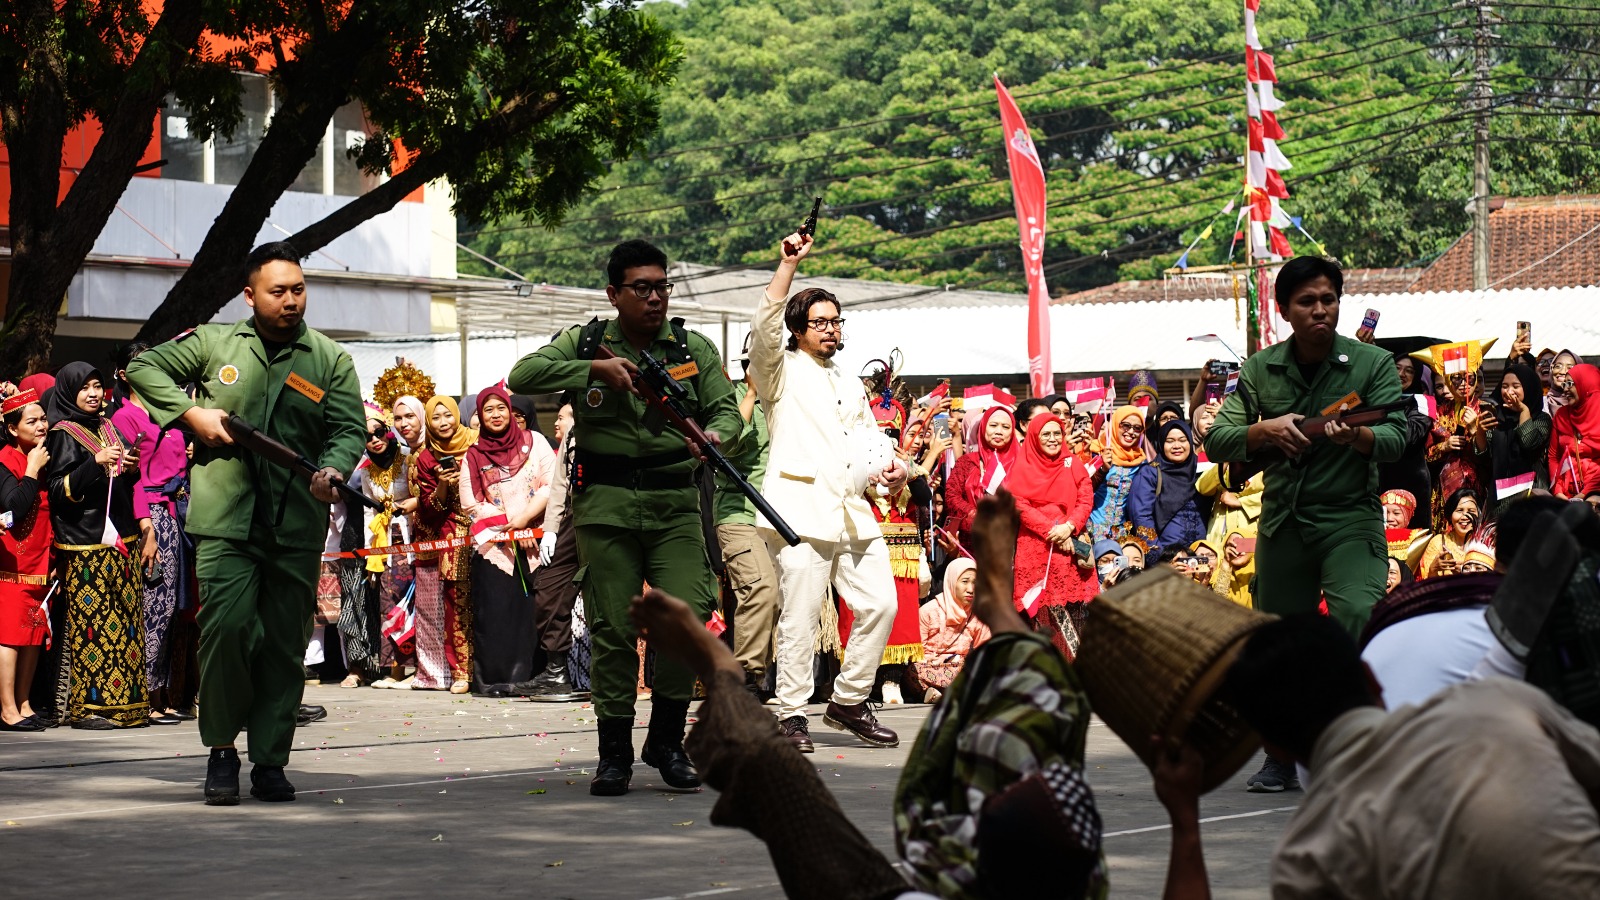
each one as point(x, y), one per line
point(989, 456)
point(1580, 417)
point(508, 450)
point(1038, 477)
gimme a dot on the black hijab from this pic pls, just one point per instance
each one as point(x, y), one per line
point(1177, 478)
point(1508, 459)
point(1155, 412)
point(524, 405)
point(61, 404)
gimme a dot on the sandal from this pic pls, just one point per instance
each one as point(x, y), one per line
point(163, 718)
point(351, 681)
point(383, 684)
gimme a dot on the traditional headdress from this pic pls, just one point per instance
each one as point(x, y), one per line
point(1142, 388)
point(15, 399)
point(374, 411)
point(1131, 535)
point(400, 380)
point(1460, 357)
point(1400, 498)
point(888, 394)
point(1477, 551)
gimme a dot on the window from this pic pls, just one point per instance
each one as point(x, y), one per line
point(185, 154)
point(349, 130)
point(234, 154)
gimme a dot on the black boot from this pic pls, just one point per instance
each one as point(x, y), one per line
point(615, 770)
point(550, 686)
point(222, 777)
point(663, 746)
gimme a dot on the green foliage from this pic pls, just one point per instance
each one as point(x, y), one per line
point(1137, 109)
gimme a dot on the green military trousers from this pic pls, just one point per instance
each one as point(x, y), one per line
point(257, 600)
point(1347, 564)
point(617, 563)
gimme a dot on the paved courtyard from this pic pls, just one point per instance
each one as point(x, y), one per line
point(426, 794)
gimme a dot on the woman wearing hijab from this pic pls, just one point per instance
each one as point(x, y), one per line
point(390, 486)
point(991, 453)
point(1164, 499)
point(949, 631)
point(506, 487)
point(443, 605)
point(1410, 472)
point(523, 411)
point(1236, 571)
point(1520, 440)
point(1122, 455)
point(1559, 390)
point(91, 477)
point(1054, 499)
point(1160, 414)
point(1575, 437)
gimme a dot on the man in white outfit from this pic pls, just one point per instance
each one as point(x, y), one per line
point(815, 411)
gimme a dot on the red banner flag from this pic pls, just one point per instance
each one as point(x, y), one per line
point(1027, 191)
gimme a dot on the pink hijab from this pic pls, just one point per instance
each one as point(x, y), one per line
point(956, 622)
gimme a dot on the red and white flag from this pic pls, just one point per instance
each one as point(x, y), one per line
point(1027, 191)
point(1453, 359)
point(1428, 404)
point(1087, 394)
point(1510, 487)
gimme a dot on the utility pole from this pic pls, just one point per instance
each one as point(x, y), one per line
point(1481, 38)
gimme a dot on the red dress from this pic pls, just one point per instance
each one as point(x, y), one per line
point(962, 491)
point(1067, 582)
point(900, 532)
point(24, 565)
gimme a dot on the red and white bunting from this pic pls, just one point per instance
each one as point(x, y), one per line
point(1264, 162)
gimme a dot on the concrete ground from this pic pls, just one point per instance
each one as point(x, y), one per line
point(427, 794)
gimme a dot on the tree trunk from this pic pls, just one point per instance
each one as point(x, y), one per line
point(50, 242)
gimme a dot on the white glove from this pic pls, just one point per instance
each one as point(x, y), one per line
point(547, 548)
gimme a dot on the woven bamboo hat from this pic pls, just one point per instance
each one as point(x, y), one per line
point(1155, 651)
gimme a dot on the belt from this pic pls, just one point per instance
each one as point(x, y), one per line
point(640, 473)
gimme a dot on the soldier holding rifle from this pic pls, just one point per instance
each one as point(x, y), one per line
point(1321, 523)
point(635, 503)
point(259, 527)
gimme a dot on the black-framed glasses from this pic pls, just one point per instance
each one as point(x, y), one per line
point(825, 324)
point(1131, 428)
point(644, 289)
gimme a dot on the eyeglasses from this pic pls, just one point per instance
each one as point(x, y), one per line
point(1130, 428)
point(645, 289)
point(825, 324)
point(1561, 368)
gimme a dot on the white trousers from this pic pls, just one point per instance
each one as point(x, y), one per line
point(807, 574)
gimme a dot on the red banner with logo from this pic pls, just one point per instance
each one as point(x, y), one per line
point(1027, 191)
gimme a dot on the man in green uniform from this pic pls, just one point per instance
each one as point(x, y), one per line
point(635, 505)
point(1321, 528)
point(751, 573)
point(259, 528)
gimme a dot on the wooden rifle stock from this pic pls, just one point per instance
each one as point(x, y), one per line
point(1316, 428)
point(256, 441)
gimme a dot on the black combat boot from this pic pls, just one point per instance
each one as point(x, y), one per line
point(663, 746)
point(615, 770)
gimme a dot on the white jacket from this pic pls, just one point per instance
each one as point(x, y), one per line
point(812, 408)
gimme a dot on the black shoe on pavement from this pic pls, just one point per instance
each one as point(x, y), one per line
point(553, 685)
point(309, 714)
point(222, 777)
point(663, 744)
point(615, 771)
point(859, 721)
point(795, 729)
point(1274, 777)
point(268, 785)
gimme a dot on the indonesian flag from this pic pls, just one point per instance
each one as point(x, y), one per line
point(1428, 404)
point(485, 530)
point(1510, 487)
point(984, 396)
point(1087, 394)
point(1027, 192)
point(1453, 359)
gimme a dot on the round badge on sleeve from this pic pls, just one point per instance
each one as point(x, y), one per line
point(228, 374)
point(594, 398)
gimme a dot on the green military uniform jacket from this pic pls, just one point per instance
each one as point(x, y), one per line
point(615, 423)
point(1330, 486)
point(749, 456)
point(306, 396)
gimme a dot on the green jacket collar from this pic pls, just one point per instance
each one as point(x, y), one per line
point(247, 329)
point(614, 332)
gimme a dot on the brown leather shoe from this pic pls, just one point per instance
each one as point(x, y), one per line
point(859, 721)
point(794, 728)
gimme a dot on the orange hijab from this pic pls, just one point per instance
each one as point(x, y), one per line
point(1114, 453)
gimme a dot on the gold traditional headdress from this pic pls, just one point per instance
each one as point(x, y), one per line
point(399, 380)
point(1454, 358)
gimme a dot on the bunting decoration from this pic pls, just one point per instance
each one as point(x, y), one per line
point(1265, 164)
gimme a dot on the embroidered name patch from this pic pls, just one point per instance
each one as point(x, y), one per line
point(305, 387)
point(687, 370)
point(1343, 404)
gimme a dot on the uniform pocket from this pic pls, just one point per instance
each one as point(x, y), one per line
point(597, 402)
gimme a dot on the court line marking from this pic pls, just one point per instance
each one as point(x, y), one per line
point(1206, 821)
